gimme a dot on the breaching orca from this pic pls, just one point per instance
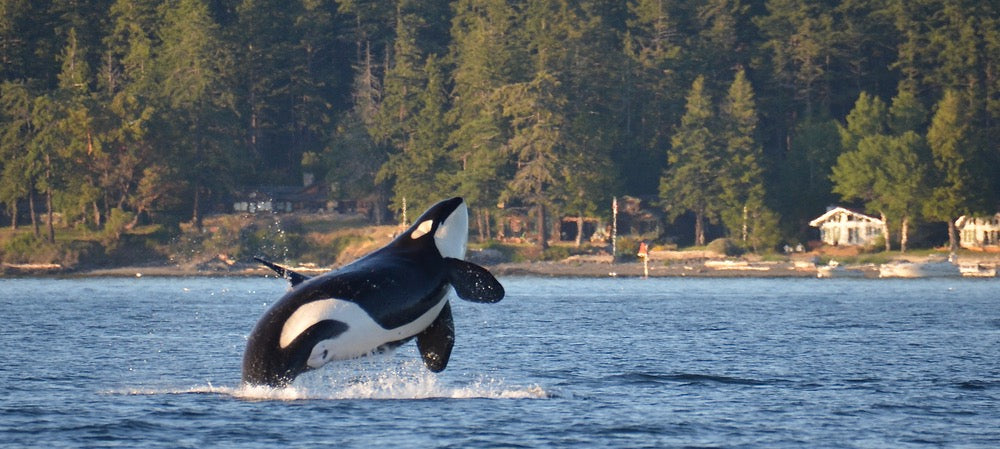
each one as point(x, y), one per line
point(377, 302)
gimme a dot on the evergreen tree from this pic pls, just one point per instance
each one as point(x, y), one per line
point(81, 154)
point(125, 94)
point(653, 90)
point(487, 53)
point(886, 171)
point(861, 140)
point(903, 181)
point(417, 170)
point(18, 31)
point(17, 161)
point(267, 39)
point(193, 67)
point(742, 181)
point(588, 174)
point(722, 42)
point(690, 182)
point(534, 110)
point(952, 186)
point(800, 38)
point(803, 183)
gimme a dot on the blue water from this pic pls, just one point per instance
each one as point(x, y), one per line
point(155, 362)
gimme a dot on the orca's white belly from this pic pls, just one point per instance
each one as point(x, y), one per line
point(363, 334)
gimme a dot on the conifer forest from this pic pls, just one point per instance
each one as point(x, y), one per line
point(730, 118)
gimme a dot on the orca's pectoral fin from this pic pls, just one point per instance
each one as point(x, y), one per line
point(436, 341)
point(292, 277)
point(473, 282)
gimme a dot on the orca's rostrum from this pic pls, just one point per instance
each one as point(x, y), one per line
point(377, 302)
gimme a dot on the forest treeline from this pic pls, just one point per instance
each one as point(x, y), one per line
point(745, 117)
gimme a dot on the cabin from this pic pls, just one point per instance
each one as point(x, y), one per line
point(839, 226)
point(274, 199)
point(979, 233)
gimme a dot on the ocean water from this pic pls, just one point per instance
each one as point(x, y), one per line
point(601, 363)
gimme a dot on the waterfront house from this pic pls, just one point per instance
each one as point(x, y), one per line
point(980, 233)
point(839, 226)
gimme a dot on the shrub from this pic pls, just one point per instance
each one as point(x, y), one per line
point(725, 247)
point(26, 248)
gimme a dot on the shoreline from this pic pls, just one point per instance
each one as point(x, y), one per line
point(542, 269)
point(568, 268)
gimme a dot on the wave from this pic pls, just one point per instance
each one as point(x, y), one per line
point(408, 381)
point(686, 378)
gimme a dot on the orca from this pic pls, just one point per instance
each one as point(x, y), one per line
point(376, 303)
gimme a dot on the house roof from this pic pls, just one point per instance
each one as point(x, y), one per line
point(961, 221)
point(818, 221)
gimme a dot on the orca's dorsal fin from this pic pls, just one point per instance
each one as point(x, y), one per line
point(436, 341)
point(472, 282)
point(293, 277)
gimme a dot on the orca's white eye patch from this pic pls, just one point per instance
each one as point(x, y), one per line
point(422, 229)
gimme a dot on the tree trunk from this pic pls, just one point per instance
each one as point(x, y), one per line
point(952, 237)
point(543, 236)
point(745, 216)
point(488, 233)
point(904, 234)
point(48, 197)
point(699, 229)
point(479, 225)
point(135, 220)
point(13, 216)
point(97, 214)
point(31, 209)
point(48, 207)
point(579, 230)
point(196, 210)
point(885, 232)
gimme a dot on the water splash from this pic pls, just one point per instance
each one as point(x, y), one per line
point(368, 380)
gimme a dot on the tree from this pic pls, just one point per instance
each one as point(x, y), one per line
point(803, 184)
point(488, 53)
point(690, 182)
point(125, 96)
point(886, 171)
point(800, 37)
point(534, 110)
point(868, 118)
point(653, 94)
point(952, 186)
point(193, 66)
point(421, 165)
point(80, 153)
point(742, 181)
point(19, 167)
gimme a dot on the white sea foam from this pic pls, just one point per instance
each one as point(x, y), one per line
point(409, 380)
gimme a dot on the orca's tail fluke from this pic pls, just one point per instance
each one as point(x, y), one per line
point(293, 277)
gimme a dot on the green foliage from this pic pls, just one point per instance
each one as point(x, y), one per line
point(627, 249)
point(29, 249)
point(689, 183)
point(163, 109)
point(725, 247)
point(116, 225)
point(556, 253)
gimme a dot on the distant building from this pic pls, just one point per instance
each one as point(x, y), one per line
point(312, 197)
point(839, 226)
point(979, 232)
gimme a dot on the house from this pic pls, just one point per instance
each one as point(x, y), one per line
point(981, 233)
point(839, 226)
point(273, 199)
